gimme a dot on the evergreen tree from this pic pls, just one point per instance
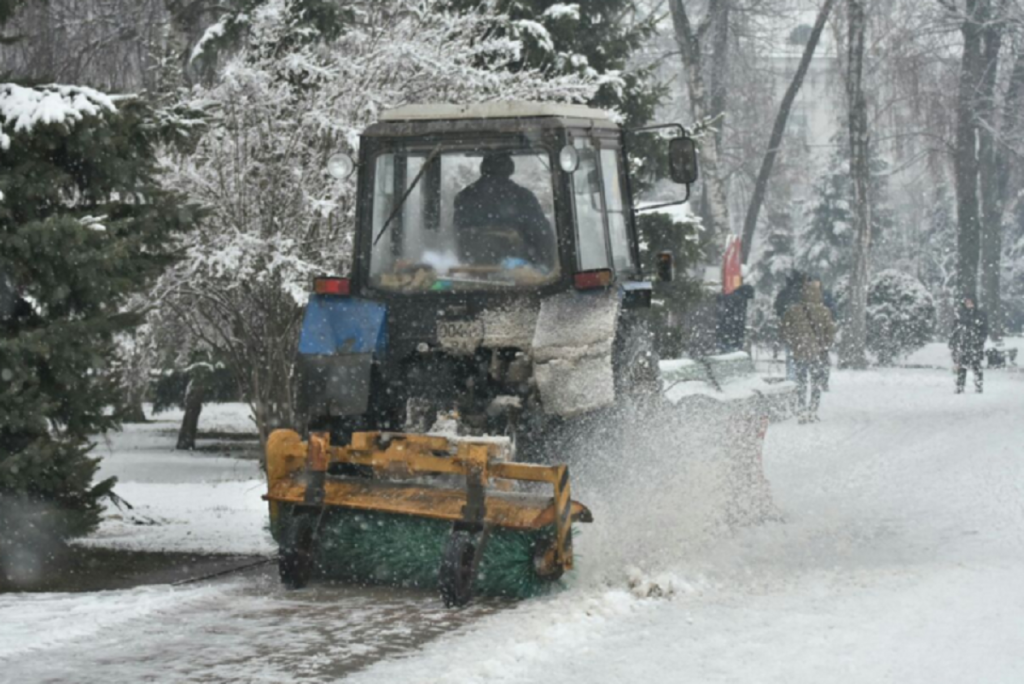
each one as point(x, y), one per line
point(770, 271)
point(83, 226)
point(686, 241)
point(776, 261)
point(826, 242)
point(7, 9)
point(594, 38)
point(1013, 269)
point(900, 315)
point(937, 260)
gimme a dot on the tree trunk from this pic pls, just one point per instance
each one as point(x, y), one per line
point(965, 159)
point(133, 412)
point(190, 422)
point(719, 10)
point(995, 172)
point(270, 386)
point(717, 209)
point(779, 129)
point(852, 353)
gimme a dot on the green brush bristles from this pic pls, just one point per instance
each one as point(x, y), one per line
point(381, 548)
point(506, 568)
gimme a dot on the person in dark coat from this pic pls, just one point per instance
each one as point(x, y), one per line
point(970, 330)
point(498, 219)
point(732, 318)
point(790, 294)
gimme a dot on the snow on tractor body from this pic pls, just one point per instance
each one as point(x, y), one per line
point(496, 275)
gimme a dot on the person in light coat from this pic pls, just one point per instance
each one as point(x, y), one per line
point(809, 330)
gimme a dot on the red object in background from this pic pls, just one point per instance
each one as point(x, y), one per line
point(732, 266)
point(591, 280)
point(332, 286)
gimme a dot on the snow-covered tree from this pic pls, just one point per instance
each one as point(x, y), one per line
point(1013, 269)
point(776, 260)
point(84, 226)
point(7, 8)
point(900, 315)
point(825, 245)
point(595, 39)
point(771, 267)
point(679, 233)
point(292, 95)
point(937, 260)
point(111, 45)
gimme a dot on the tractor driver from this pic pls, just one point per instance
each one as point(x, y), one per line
point(499, 221)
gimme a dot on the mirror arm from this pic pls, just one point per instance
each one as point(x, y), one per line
point(665, 204)
point(659, 127)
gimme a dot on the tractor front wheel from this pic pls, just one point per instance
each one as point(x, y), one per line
point(457, 567)
point(295, 555)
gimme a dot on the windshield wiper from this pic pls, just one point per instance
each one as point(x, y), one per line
point(401, 202)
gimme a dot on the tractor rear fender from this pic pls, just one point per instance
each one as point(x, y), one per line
point(573, 346)
point(341, 339)
point(572, 351)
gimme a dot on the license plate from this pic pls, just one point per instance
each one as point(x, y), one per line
point(466, 335)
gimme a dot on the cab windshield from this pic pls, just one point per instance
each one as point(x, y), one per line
point(472, 219)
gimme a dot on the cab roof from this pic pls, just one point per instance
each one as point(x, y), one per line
point(498, 110)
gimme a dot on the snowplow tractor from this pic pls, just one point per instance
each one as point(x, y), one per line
point(495, 287)
point(496, 274)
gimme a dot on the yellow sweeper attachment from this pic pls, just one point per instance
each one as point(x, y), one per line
point(419, 510)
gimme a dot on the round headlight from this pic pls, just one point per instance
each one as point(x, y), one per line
point(568, 159)
point(340, 166)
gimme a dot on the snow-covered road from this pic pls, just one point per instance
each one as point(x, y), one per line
point(900, 559)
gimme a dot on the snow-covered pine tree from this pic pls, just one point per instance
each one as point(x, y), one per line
point(594, 39)
point(680, 234)
point(1013, 267)
point(900, 315)
point(825, 245)
point(288, 97)
point(83, 226)
point(772, 267)
point(776, 260)
point(937, 260)
point(7, 8)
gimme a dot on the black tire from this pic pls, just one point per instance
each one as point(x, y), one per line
point(455, 580)
point(540, 553)
point(296, 553)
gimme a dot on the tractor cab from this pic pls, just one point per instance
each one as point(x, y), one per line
point(490, 239)
point(497, 198)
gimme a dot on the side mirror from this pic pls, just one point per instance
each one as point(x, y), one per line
point(682, 160)
point(666, 267)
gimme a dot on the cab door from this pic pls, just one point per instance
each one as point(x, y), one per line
point(604, 226)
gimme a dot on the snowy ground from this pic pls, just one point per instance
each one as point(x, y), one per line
point(185, 501)
point(899, 559)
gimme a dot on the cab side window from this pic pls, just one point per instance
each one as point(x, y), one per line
point(592, 247)
point(618, 226)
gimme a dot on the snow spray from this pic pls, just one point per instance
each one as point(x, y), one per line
point(664, 483)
